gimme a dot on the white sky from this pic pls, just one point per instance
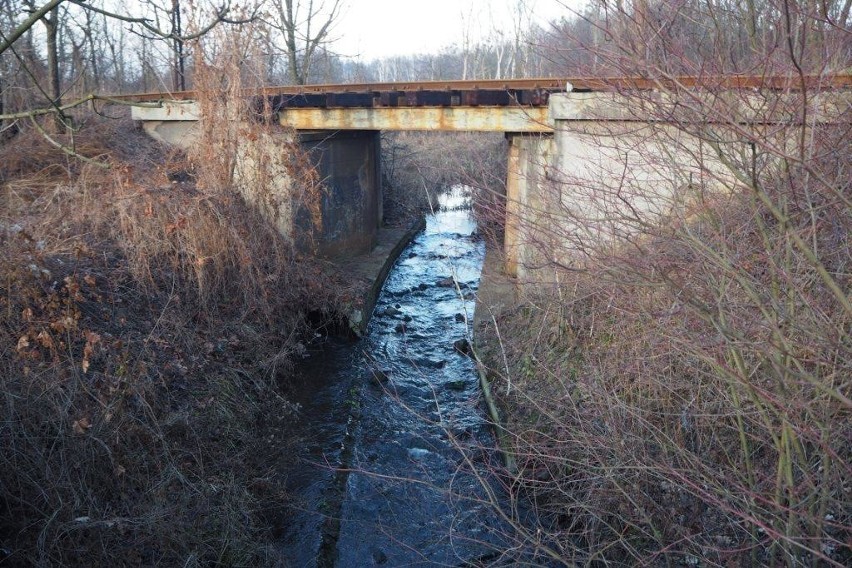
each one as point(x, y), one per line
point(369, 29)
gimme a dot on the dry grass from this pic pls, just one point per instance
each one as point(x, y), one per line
point(147, 327)
point(685, 399)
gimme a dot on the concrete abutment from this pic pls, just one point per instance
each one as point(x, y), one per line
point(334, 211)
point(348, 165)
point(585, 172)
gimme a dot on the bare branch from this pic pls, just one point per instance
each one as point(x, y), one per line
point(66, 149)
point(28, 23)
point(220, 18)
point(60, 109)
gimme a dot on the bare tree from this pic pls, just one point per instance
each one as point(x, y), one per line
point(304, 27)
point(44, 82)
point(52, 18)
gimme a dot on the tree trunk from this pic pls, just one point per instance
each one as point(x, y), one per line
point(178, 75)
point(290, 40)
point(51, 24)
point(93, 55)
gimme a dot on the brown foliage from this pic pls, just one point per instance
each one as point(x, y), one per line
point(146, 327)
point(679, 391)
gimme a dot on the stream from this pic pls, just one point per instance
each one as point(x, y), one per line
point(396, 448)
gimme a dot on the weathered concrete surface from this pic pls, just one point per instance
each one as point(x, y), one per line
point(698, 106)
point(446, 119)
point(620, 166)
point(614, 168)
point(349, 167)
point(263, 173)
point(335, 214)
point(372, 268)
point(174, 122)
point(530, 157)
point(181, 134)
point(167, 111)
point(497, 292)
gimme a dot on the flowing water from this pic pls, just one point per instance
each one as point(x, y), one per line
point(394, 466)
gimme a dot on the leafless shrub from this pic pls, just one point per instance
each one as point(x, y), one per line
point(146, 325)
point(418, 166)
point(678, 382)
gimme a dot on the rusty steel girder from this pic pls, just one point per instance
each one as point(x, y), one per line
point(503, 92)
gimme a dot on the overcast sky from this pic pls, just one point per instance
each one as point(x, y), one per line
point(378, 28)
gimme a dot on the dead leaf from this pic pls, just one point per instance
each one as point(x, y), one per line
point(81, 426)
point(63, 324)
point(45, 339)
point(89, 279)
point(23, 342)
point(92, 339)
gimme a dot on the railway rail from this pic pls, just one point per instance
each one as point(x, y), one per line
point(503, 92)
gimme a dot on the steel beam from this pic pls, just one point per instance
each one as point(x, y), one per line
point(446, 119)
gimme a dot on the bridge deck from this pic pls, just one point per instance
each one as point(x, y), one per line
point(514, 105)
point(502, 92)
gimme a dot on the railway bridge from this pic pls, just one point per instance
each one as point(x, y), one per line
point(564, 133)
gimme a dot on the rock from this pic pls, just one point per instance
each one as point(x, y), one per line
point(381, 376)
point(462, 346)
point(379, 557)
point(430, 363)
point(390, 311)
point(458, 385)
point(406, 318)
point(400, 328)
point(459, 318)
point(463, 433)
point(445, 283)
point(412, 254)
point(418, 453)
point(422, 287)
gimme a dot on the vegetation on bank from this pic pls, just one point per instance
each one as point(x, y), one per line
point(677, 379)
point(418, 166)
point(688, 404)
point(148, 327)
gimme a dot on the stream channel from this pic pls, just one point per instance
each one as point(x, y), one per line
point(396, 445)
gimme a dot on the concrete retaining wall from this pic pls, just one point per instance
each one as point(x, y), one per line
point(335, 214)
point(349, 165)
point(610, 173)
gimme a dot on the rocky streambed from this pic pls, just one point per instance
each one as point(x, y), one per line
point(395, 464)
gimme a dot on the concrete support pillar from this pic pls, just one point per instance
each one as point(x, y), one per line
point(348, 164)
point(511, 236)
point(527, 192)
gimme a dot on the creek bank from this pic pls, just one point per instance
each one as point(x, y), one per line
point(370, 270)
point(497, 292)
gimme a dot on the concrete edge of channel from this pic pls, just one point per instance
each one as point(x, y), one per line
point(360, 317)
